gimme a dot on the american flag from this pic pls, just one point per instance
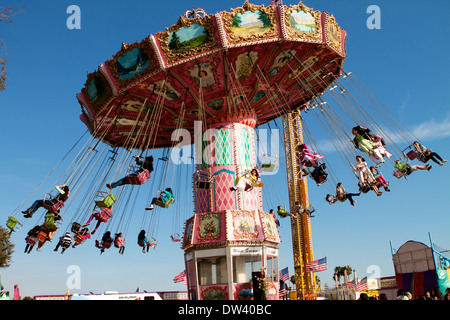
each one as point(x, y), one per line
point(181, 277)
point(284, 274)
point(276, 3)
point(317, 265)
point(282, 289)
point(362, 285)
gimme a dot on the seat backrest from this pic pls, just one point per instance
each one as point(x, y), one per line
point(75, 227)
point(140, 178)
point(106, 244)
point(79, 238)
point(104, 214)
point(55, 205)
point(203, 184)
point(12, 222)
point(398, 174)
point(105, 200)
point(411, 155)
point(30, 240)
point(42, 236)
point(161, 204)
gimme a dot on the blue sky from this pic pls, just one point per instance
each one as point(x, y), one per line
point(404, 64)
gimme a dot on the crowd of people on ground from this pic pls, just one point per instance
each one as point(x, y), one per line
point(435, 294)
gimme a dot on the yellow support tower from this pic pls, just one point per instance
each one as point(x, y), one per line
point(305, 282)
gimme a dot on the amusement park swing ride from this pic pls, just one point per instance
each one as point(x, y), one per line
point(222, 77)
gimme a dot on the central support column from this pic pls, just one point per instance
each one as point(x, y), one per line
point(230, 236)
point(229, 151)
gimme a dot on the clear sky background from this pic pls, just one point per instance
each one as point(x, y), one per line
point(405, 64)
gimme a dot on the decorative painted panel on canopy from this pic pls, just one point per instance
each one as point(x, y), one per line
point(301, 23)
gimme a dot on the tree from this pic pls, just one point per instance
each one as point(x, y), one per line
point(6, 248)
point(175, 41)
point(340, 272)
point(264, 19)
point(318, 287)
point(236, 21)
point(3, 61)
point(292, 280)
point(5, 16)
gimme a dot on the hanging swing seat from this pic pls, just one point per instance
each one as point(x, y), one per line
point(137, 177)
point(31, 240)
point(13, 224)
point(201, 184)
point(204, 183)
point(365, 187)
point(411, 155)
point(51, 223)
point(399, 174)
point(104, 199)
point(319, 174)
point(76, 227)
point(176, 237)
point(79, 239)
point(269, 165)
point(42, 236)
point(162, 204)
point(104, 214)
point(52, 204)
point(402, 171)
point(152, 242)
point(106, 244)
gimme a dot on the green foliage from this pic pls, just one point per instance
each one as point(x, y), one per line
point(265, 20)
point(340, 272)
point(237, 21)
point(194, 42)
point(3, 62)
point(175, 41)
point(5, 16)
point(6, 248)
point(214, 295)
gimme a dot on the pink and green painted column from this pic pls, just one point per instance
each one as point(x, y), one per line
point(230, 237)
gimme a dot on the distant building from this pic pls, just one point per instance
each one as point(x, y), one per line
point(419, 268)
point(388, 286)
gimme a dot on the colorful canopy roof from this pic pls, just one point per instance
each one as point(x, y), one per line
point(257, 60)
